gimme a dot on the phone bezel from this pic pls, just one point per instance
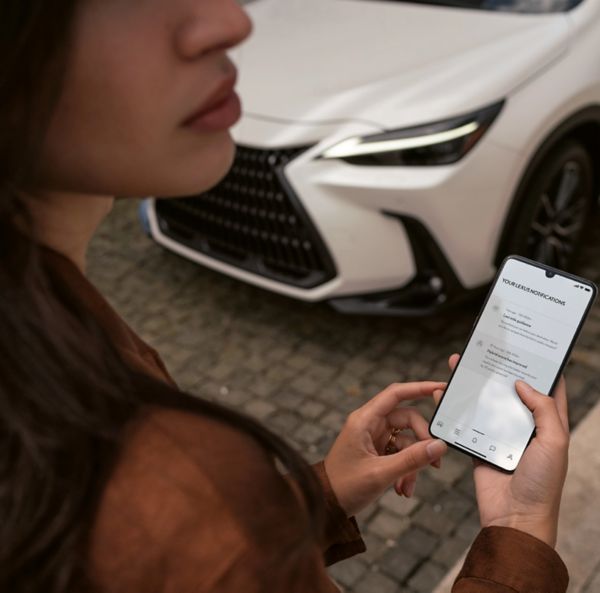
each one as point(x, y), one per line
point(564, 362)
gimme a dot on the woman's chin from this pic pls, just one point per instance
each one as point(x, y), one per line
point(200, 176)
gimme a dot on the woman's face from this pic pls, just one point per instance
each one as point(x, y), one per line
point(148, 99)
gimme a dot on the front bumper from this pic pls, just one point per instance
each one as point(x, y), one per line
point(434, 286)
point(405, 240)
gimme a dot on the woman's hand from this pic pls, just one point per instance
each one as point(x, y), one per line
point(529, 499)
point(358, 468)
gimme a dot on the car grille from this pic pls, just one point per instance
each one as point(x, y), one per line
point(252, 220)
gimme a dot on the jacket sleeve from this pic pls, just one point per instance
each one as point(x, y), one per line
point(504, 560)
point(342, 537)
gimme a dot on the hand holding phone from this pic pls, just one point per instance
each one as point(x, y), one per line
point(529, 498)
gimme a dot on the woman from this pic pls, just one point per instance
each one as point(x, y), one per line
point(111, 479)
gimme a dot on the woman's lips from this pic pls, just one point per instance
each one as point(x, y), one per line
point(224, 111)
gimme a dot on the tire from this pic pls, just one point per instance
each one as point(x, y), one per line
point(555, 208)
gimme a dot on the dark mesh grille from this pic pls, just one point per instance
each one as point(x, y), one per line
point(252, 220)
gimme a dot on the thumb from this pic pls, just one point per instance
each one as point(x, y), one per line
point(543, 408)
point(413, 458)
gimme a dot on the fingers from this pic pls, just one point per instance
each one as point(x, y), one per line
point(404, 418)
point(383, 403)
point(560, 398)
point(453, 361)
point(406, 486)
point(548, 422)
point(411, 419)
point(410, 460)
point(401, 441)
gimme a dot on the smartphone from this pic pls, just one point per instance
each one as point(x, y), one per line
point(526, 329)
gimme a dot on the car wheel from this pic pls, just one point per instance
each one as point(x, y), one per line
point(555, 208)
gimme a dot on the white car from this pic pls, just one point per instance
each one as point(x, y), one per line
point(391, 152)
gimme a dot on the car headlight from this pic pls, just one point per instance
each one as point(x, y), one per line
point(439, 143)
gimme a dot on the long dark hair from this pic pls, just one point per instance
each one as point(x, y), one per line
point(61, 419)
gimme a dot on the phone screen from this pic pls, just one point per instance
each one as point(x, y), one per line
point(525, 331)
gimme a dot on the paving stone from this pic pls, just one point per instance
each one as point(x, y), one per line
point(469, 528)
point(220, 371)
point(399, 563)
point(375, 582)
point(260, 409)
point(306, 385)
point(385, 377)
point(357, 366)
point(427, 577)
point(454, 466)
point(189, 379)
point(242, 378)
point(256, 363)
point(179, 358)
point(347, 403)
point(353, 390)
point(399, 505)
point(234, 397)
point(322, 372)
point(289, 399)
point(453, 505)
point(277, 353)
point(311, 456)
point(350, 377)
point(326, 442)
point(387, 525)
point(333, 420)
point(279, 374)
point(208, 390)
point(348, 572)
point(311, 409)
point(376, 546)
point(450, 550)
point(309, 433)
point(363, 516)
point(428, 488)
point(284, 422)
point(418, 541)
point(431, 518)
point(298, 361)
point(263, 388)
point(466, 486)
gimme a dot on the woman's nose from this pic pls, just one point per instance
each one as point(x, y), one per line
point(212, 25)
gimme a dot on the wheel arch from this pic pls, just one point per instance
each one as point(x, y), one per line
point(583, 126)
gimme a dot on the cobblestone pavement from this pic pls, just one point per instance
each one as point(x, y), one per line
point(301, 368)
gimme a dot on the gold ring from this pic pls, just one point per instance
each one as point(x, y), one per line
point(391, 447)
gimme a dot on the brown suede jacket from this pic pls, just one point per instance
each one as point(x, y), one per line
point(195, 505)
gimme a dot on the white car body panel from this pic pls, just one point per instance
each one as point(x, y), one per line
point(445, 71)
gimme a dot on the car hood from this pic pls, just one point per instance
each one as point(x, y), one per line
point(387, 63)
